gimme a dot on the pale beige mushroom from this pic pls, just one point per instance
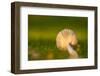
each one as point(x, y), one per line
point(65, 40)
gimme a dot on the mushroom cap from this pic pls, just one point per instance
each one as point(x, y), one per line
point(66, 37)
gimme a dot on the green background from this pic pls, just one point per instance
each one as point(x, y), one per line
point(42, 32)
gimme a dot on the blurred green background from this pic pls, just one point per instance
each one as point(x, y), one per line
point(42, 32)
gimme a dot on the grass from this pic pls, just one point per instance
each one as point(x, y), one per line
point(47, 50)
point(44, 48)
point(42, 32)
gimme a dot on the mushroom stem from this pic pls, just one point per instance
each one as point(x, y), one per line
point(72, 52)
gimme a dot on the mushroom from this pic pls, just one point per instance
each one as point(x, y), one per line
point(66, 40)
